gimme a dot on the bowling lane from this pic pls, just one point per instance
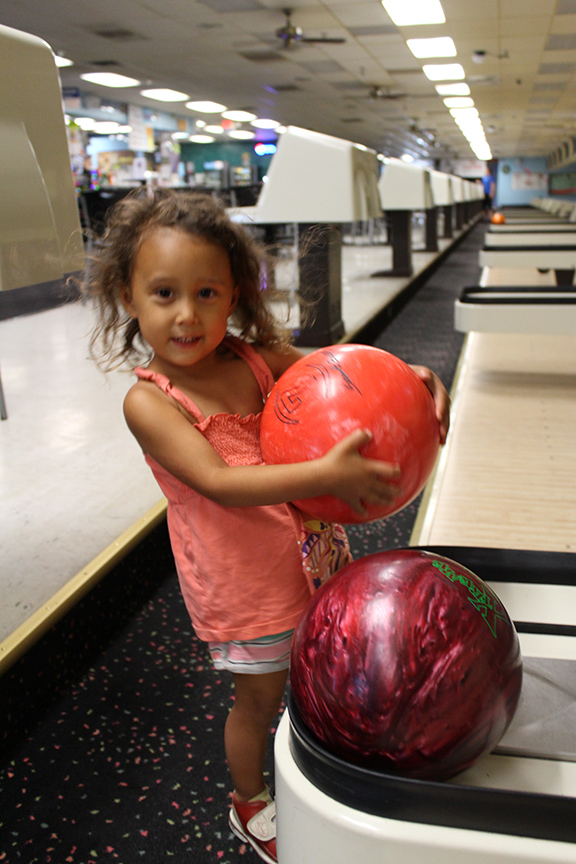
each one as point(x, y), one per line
point(498, 277)
point(506, 481)
point(506, 476)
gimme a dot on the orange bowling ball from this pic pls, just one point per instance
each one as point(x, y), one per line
point(333, 391)
point(498, 219)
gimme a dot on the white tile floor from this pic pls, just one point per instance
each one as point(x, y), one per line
point(72, 478)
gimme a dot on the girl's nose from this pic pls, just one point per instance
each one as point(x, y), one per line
point(187, 310)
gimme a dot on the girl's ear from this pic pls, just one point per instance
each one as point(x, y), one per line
point(126, 300)
point(234, 300)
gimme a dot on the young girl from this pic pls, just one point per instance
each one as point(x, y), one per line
point(173, 277)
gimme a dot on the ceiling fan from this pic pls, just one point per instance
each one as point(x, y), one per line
point(379, 92)
point(290, 35)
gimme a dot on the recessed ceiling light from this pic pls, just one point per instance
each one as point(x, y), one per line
point(238, 116)
point(265, 124)
point(109, 79)
point(443, 71)
point(453, 89)
point(440, 46)
point(214, 130)
point(164, 94)
point(206, 107)
point(405, 13)
point(242, 134)
point(201, 139)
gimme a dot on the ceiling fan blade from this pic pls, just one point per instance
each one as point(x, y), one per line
point(326, 39)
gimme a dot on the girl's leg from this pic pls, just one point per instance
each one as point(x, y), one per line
point(256, 703)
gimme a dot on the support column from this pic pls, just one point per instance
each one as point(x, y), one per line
point(320, 274)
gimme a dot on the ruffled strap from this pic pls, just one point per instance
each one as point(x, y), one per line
point(166, 385)
point(255, 361)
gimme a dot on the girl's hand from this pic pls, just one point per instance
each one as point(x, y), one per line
point(441, 398)
point(355, 479)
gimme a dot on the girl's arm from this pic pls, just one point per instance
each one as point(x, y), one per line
point(170, 438)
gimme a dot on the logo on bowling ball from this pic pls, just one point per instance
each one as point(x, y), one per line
point(287, 402)
point(480, 599)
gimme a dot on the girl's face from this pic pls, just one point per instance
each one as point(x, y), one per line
point(182, 294)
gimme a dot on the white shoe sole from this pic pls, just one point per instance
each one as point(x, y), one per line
point(238, 830)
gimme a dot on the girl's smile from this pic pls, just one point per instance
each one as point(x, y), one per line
point(182, 293)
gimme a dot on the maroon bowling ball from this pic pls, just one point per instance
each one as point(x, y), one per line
point(407, 662)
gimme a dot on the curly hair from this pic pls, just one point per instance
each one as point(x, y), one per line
point(116, 338)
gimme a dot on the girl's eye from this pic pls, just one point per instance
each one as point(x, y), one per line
point(206, 293)
point(164, 293)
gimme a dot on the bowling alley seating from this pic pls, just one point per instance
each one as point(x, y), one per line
point(542, 210)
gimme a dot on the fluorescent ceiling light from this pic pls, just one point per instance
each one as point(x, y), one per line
point(180, 136)
point(164, 94)
point(202, 139)
point(124, 130)
point(443, 71)
point(459, 102)
point(239, 116)
point(440, 46)
point(405, 13)
point(206, 107)
point(214, 130)
point(406, 157)
point(453, 89)
point(464, 113)
point(85, 123)
point(106, 127)
point(62, 61)
point(242, 134)
point(109, 79)
point(265, 124)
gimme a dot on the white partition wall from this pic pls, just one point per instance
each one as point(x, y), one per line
point(403, 186)
point(442, 190)
point(40, 238)
point(321, 179)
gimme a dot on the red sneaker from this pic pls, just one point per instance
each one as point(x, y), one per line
point(255, 823)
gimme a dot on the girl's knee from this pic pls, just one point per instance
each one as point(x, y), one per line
point(261, 695)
